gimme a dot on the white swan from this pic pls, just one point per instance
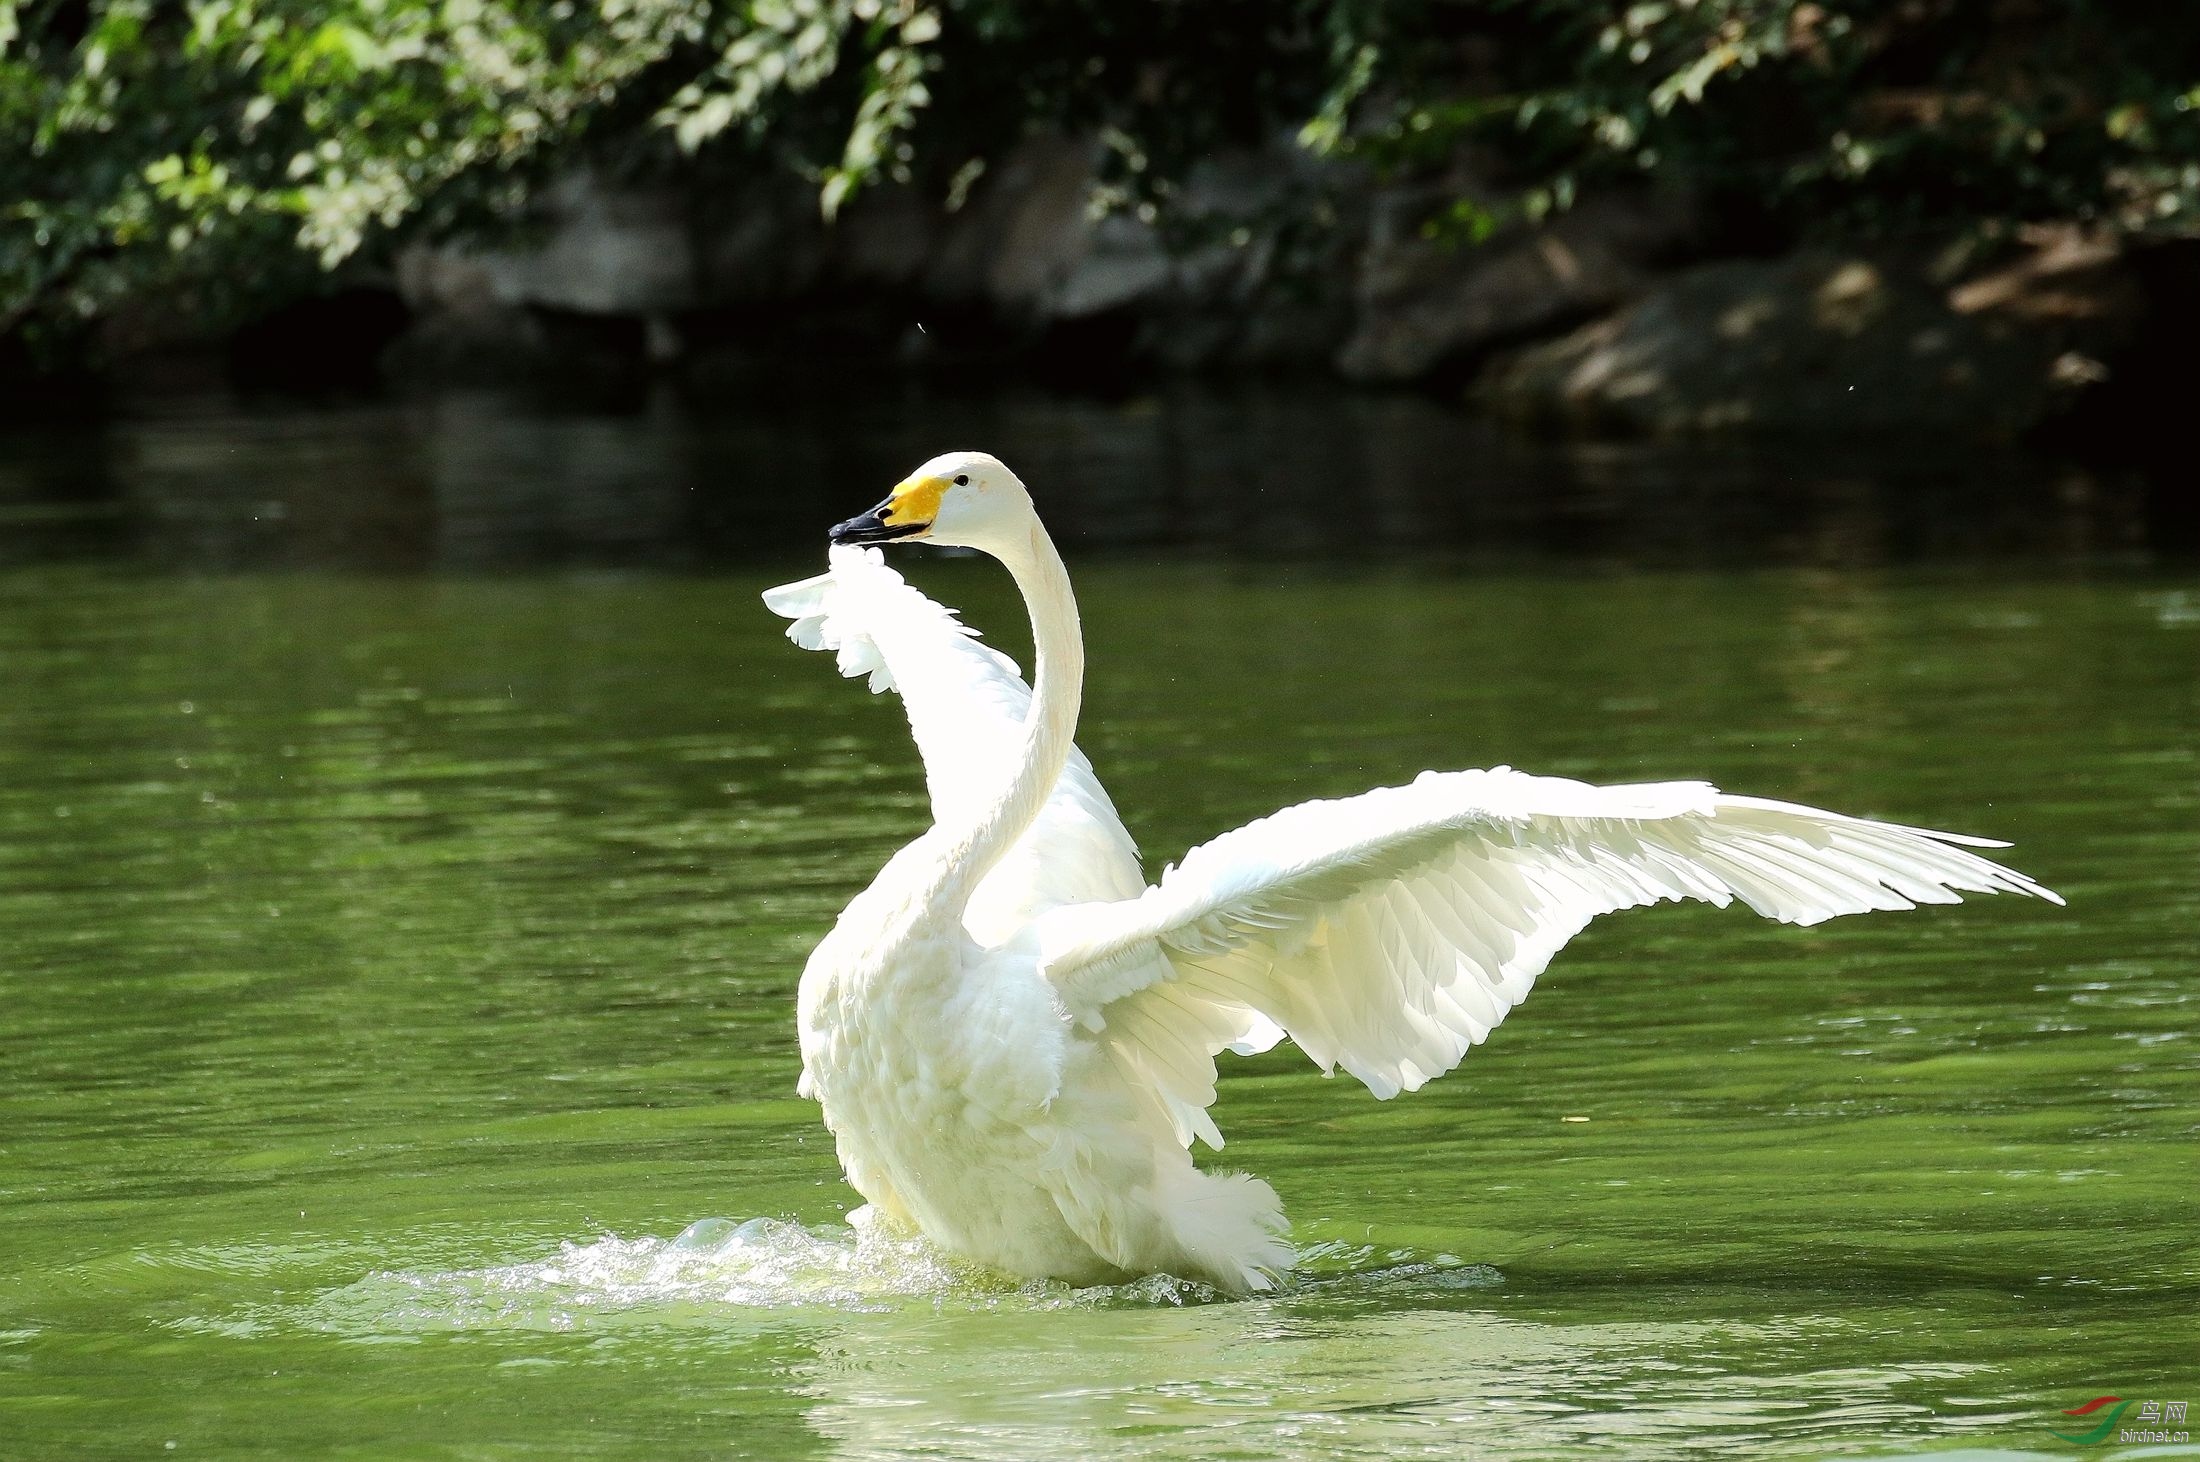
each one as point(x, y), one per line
point(1014, 1039)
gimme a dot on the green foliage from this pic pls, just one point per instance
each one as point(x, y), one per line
point(185, 162)
point(1851, 115)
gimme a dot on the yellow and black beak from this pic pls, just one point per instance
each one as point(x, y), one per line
point(908, 510)
point(876, 526)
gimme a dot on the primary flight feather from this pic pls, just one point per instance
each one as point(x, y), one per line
point(1014, 1038)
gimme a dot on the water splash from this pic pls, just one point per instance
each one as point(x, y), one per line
point(714, 1267)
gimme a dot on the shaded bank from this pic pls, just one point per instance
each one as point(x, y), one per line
point(1639, 311)
point(1629, 317)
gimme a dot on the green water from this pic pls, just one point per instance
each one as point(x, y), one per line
point(393, 967)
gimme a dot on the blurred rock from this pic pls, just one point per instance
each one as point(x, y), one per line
point(2079, 294)
point(757, 244)
point(1121, 264)
point(1423, 302)
point(1022, 229)
point(1269, 257)
point(885, 237)
point(2068, 277)
point(1815, 342)
point(603, 251)
point(462, 326)
point(1255, 264)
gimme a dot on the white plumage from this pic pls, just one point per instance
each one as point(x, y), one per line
point(1014, 1039)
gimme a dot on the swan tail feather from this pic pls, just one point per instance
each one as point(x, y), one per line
point(1229, 1227)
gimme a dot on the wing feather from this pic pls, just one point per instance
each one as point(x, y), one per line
point(1390, 933)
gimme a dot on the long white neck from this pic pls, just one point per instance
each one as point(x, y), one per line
point(1050, 725)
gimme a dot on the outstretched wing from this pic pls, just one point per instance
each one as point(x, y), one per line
point(1390, 932)
point(966, 703)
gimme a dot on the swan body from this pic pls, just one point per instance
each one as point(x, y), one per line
point(1013, 1038)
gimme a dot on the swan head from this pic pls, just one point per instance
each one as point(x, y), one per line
point(960, 499)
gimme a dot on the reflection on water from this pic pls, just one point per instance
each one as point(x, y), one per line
point(473, 480)
point(1409, 1380)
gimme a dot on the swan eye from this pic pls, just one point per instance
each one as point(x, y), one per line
point(962, 479)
